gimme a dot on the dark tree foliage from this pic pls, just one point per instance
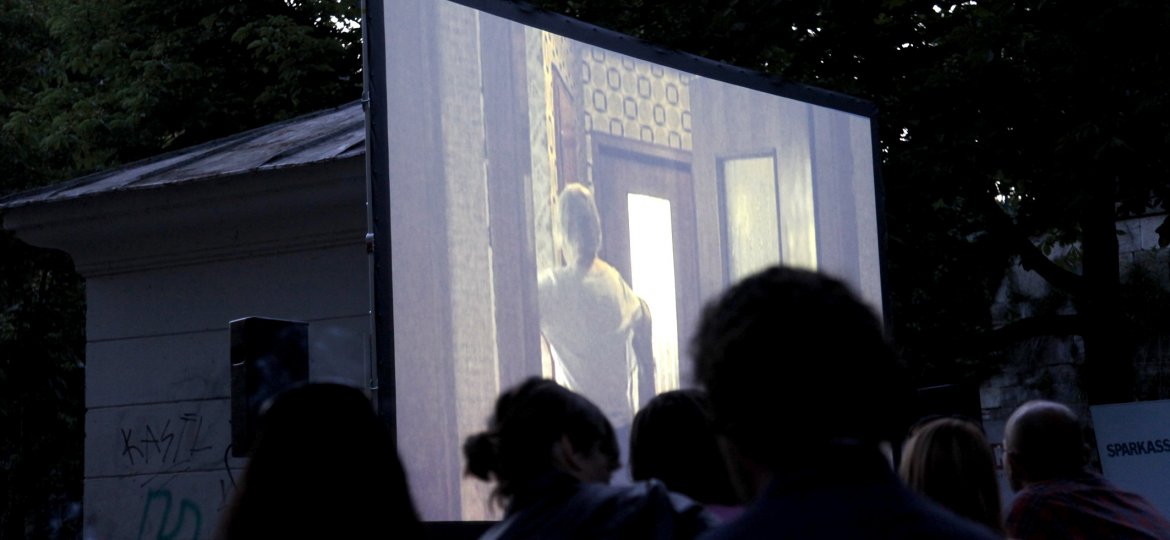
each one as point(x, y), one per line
point(86, 86)
point(1001, 121)
point(24, 46)
point(124, 79)
point(42, 344)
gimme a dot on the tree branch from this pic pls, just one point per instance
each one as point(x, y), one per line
point(1031, 258)
point(1027, 328)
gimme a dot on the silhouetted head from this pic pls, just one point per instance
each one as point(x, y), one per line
point(793, 361)
point(950, 461)
point(673, 440)
point(1043, 441)
point(323, 465)
point(539, 426)
point(580, 225)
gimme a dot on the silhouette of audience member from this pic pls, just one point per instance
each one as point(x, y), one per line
point(673, 440)
point(950, 461)
point(550, 453)
point(804, 391)
point(323, 465)
point(1057, 496)
point(599, 329)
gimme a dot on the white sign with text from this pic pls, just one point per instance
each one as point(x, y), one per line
point(1133, 440)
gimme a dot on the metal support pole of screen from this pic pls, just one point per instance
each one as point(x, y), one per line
point(378, 214)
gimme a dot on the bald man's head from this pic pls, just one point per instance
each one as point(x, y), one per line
point(1043, 441)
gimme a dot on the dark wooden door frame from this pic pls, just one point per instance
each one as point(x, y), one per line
point(614, 209)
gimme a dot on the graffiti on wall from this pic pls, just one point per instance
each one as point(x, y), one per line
point(171, 441)
point(163, 519)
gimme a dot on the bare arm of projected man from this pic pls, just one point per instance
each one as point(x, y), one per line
point(643, 343)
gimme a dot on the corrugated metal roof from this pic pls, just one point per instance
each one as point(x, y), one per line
point(314, 138)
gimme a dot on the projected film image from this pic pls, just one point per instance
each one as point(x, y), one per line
point(560, 208)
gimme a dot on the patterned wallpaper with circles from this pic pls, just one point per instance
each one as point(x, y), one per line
point(635, 99)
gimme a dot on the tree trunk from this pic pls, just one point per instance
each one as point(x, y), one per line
point(1108, 375)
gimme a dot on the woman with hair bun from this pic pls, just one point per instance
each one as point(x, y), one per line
point(550, 453)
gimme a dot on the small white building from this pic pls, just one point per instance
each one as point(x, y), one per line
point(269, 223)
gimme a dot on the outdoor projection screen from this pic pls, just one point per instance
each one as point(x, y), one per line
point(483, 117)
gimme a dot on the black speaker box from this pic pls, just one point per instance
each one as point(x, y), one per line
point(267, 356)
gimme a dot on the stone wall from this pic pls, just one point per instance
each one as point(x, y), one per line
point(1050, 367)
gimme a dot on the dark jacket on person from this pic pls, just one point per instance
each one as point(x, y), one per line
point(558, 506)
point(848, 492)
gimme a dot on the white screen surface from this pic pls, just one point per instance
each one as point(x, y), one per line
point(488, 122)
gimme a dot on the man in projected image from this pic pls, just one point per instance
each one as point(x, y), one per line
point(596, 326)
